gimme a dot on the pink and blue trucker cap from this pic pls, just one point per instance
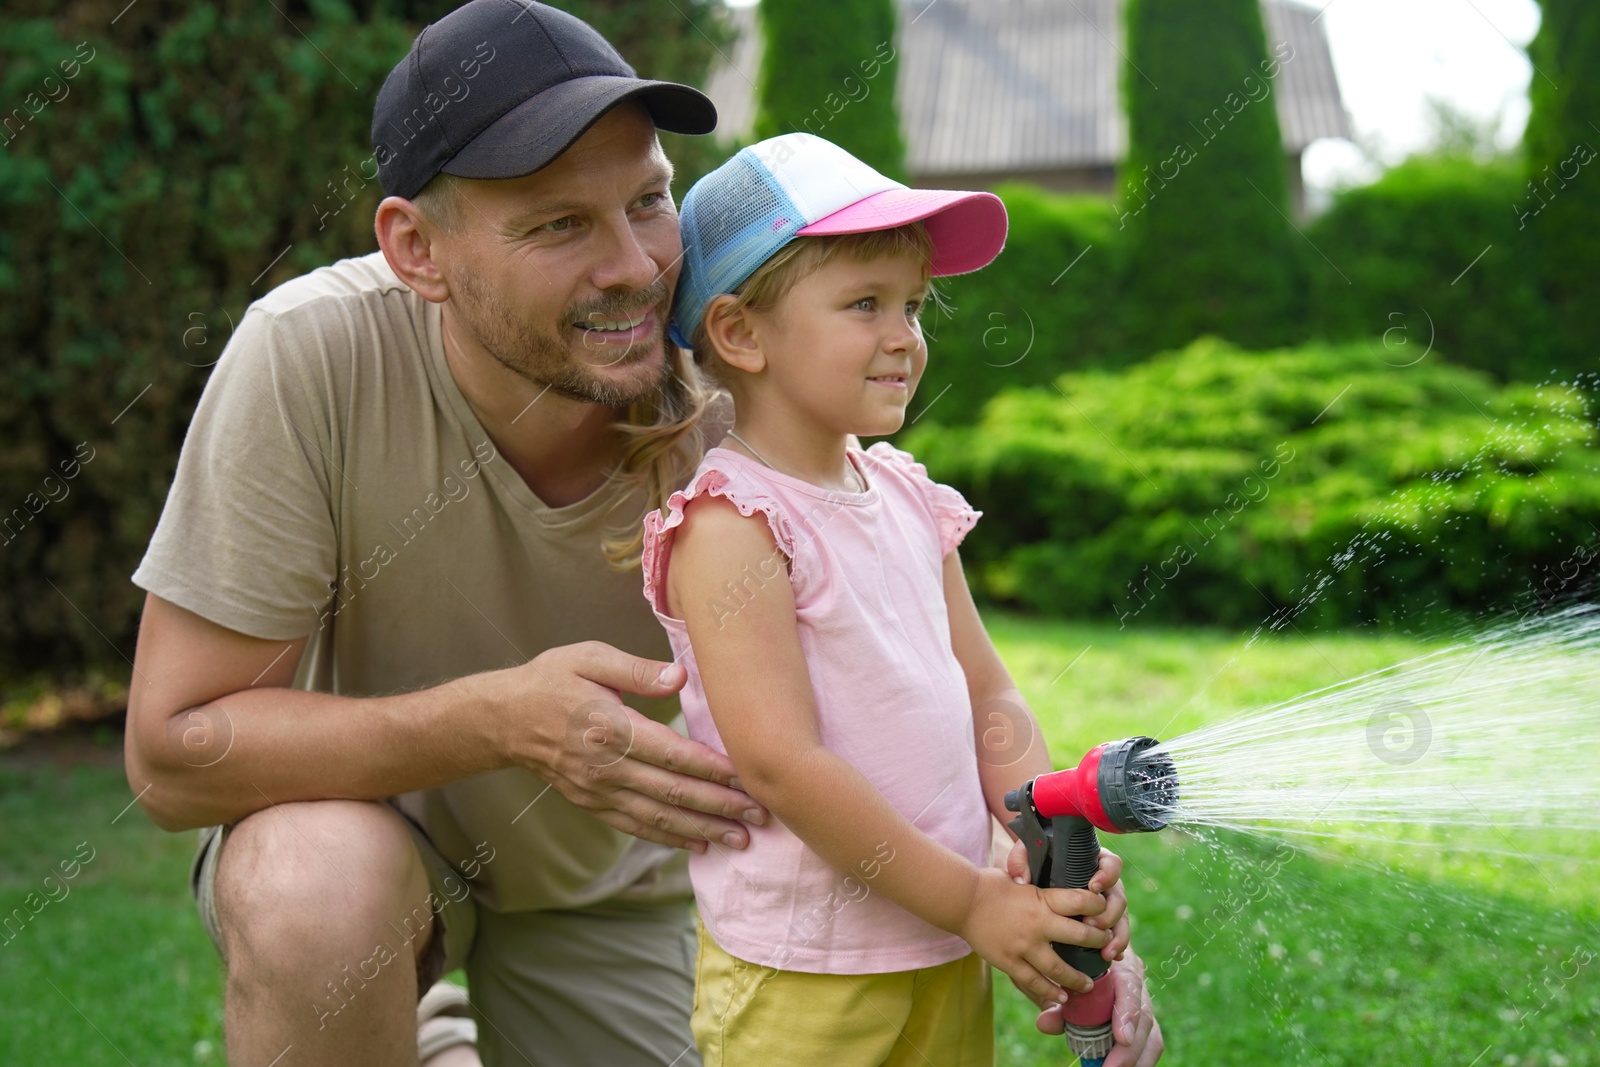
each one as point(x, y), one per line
point(799, 185)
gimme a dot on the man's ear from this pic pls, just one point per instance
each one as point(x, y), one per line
point(734, 334)
point(409, 241)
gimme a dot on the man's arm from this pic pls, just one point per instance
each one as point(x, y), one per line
point(214, 734)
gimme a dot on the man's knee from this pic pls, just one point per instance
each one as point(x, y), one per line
point(320, 880)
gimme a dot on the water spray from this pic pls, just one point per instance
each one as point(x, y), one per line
point(1488, 744)
point(1121, 787)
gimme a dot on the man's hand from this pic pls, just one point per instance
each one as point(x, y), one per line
point(1133, 1022)
point(215, 733)
point(568, 725)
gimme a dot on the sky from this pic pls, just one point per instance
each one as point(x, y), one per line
point(1393, 56)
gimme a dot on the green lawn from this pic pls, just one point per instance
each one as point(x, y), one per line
point(1258, 955)
point(1464, 959)
point(118, 970)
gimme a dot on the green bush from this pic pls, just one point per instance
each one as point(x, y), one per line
point(1204, 188)
point(1214, 484)
point(165, 164)
point(1402, 287)
point(1400, 266)
point(1027, 317)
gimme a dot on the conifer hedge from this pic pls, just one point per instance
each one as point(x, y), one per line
point(1203, 192)
point(830, 70)
point(163, 164)
point(1556, 205)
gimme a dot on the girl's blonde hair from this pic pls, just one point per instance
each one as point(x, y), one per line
point(666, 443)
point(769, 282)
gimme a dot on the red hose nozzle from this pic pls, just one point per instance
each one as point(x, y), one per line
point(1120, 787)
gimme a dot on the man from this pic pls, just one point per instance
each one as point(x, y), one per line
point(382, 658)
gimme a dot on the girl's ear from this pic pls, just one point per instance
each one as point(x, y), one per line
point(732, 333)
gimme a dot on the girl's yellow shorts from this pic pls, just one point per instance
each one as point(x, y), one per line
point(751, 1016)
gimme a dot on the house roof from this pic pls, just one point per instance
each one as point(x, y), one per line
point(1020, 85)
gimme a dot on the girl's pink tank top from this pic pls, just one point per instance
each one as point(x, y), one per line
point(867, 573)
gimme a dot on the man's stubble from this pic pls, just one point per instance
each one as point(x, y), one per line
point(544, 358)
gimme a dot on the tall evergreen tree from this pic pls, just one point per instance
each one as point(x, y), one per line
point(1562, 145)
point(1204, 189)
point(830, 70)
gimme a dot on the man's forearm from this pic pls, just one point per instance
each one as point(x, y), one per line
point(235, 755)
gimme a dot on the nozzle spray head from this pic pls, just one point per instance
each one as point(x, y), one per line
point(1120, 786)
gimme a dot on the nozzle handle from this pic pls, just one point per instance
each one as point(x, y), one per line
point(1077, 857)
point(1063, 853)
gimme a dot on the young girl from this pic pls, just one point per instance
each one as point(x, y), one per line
point(814, 592)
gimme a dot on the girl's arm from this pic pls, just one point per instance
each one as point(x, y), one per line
point(1011, 748)
point(760, 695)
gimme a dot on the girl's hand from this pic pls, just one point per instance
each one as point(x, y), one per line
point(1114, 918)
point(1012, 926)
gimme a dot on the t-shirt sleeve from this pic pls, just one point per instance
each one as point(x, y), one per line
point(952, 515)
point(247, 537)
point(739, 490)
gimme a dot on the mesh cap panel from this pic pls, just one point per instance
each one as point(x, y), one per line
point(733, 220)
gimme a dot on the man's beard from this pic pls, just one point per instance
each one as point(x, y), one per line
point(544, 358)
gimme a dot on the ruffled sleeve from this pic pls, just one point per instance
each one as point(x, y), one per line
point(951, 513)
point(740, 491)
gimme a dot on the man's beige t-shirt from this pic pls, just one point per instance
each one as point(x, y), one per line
point(336, 483)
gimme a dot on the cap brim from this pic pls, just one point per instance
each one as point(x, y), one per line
point(536, 131)
point(967, 229)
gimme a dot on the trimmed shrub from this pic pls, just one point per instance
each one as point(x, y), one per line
point(1431, 253)
point(830, 70)
point(1050, 303)
point(1563, 172)
point(1224, 486)
point(1204, 188)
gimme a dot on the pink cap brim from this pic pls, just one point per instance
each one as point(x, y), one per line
point(968, 229)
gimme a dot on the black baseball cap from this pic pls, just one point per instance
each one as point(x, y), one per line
point(499, 88)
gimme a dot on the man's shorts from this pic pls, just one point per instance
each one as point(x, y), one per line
point(611, 983)
point(747, 1014)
